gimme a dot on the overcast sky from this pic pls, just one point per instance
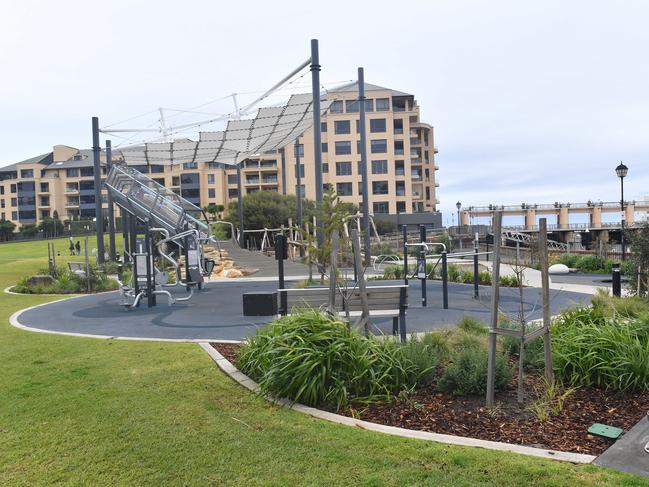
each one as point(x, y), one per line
point(531, 101)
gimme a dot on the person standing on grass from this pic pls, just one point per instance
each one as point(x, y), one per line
point(78, 247)
point(71, 246)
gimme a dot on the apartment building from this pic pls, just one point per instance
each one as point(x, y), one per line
point(400, 152)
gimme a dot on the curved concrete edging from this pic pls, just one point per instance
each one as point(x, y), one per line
point(14, 321)
point(248, 383)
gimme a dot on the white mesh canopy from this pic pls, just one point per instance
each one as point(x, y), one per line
point(271, 129)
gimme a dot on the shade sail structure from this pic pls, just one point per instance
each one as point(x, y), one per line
point(271, 129)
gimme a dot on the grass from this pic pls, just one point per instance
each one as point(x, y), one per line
point(79, 411)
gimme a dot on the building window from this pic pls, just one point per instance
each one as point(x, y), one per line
point(379, 187)
point(344, 189)
point(211, 193)
point(379, 146)
point(380, 167)
point(232, 179)
point(13, 188)
point(160, 181)
point(175, 180)
point(87, 171)
point(360, 190)
point(336, 106)
point(398, 147)
point(382, 104)
point(359, 167)
point(210, 179)
point(26, 173)
point(45, 187)
point(381, 207)
point(401, 206)
point(323, 126)
point(400, 188)
point(2, 203)
point(157, 168)
point(2, 190)
point(369, 105)
point(399, 168)
point(45, 201)
point(233, 193)
point(343, 147)
point(343, 169)
point(377, 125)
point(325, 167)
point(325, 147)
point(72, 172)
point(398, 126)
point(352, 106)
point(14, 215)
point(301, 170)
point(14, 201)
point(45, 214)
point(342, 127)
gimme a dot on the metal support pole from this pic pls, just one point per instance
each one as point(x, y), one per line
point(405, 254)
point(317, 135)
point(367, 249)
point(623, 218)
point(365, 310)
point(298, 179)
point(476, 288)
point(282, 153)
point(495, 298)
point(242, 238)
point(111, 213)
point(126, 225)
point(422, 262)
point(444, 280)
point(99, 221)
point(133, 238)
point(150, 277)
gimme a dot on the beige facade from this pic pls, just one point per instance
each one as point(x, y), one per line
point(400, 152)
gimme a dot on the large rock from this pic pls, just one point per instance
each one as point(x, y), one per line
point(558, 269)
point(230, 273)
point(40, 280)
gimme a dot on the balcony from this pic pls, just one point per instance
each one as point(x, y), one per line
point(269, 180)
point(436, 167)
point(252, 181)
point(435, 149)
point(71, 189)
point(415, 141)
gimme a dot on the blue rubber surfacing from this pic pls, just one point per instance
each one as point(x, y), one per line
point(216, 312)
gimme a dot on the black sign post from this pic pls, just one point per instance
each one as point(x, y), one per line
point(281, 253)
point(421, 264)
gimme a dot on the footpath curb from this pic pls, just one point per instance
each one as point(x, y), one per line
point(239, 377)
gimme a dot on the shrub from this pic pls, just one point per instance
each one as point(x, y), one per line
point(534, 358)
point(472, 326)
point(454, 272)
point(510, 281)
point(423, 353)
point(67, 282)
point(317, 360)
point(467, 374)
point(590, 348)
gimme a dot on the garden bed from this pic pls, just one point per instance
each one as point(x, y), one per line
point(427, 409)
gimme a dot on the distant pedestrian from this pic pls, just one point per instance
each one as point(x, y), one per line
point(78, 247)
point(71, 246)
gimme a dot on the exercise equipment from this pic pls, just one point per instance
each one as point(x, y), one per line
point(160, 227)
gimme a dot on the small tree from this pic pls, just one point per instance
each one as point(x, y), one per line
point(639, 259)
point(29, 230)
point(214, 210)
point(51, 227)
point(6, 230)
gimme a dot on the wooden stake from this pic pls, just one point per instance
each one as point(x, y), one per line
point(545, 287)
point(495, 295)
point(331, 304)
point(365, 313)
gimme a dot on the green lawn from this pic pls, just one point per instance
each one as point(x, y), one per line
point(78, 411)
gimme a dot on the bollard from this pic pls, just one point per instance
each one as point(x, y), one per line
point(617, 283)
point(476, 289)
point(421, 265)
point(444, 280)
point(280, 255)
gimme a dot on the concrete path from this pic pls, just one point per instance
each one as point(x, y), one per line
point(628, 453)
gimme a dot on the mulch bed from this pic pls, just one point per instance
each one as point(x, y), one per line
point(509, 422)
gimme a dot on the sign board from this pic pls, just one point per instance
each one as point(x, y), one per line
point(421, 268)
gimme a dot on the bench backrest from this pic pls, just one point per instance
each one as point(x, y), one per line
point(378, 298)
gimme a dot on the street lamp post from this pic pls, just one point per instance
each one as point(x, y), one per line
point(458, 205)
point(621, 170)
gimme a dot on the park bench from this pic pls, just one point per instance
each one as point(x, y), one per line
point(78, 268)
point(382, 301)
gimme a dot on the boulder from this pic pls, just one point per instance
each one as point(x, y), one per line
point(230, 273)
point(558, 269)
point(40, 280)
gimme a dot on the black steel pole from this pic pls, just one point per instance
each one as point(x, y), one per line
point(476, 288)
point(444, 280)
point(242, 239)
point(111, 213)
point(125, 231)
point(99, 221)
point(150, 276)
point(405, 254)
point(422, 258)
point(299, 194)
point(617, 282)
point(317, 135)
point(367, 249)
point(282, 153)
point(623, 218)
point(280, 242)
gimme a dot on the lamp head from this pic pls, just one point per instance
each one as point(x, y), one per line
point(621, 170)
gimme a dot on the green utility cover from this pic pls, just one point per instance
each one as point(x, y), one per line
point(606, 431)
